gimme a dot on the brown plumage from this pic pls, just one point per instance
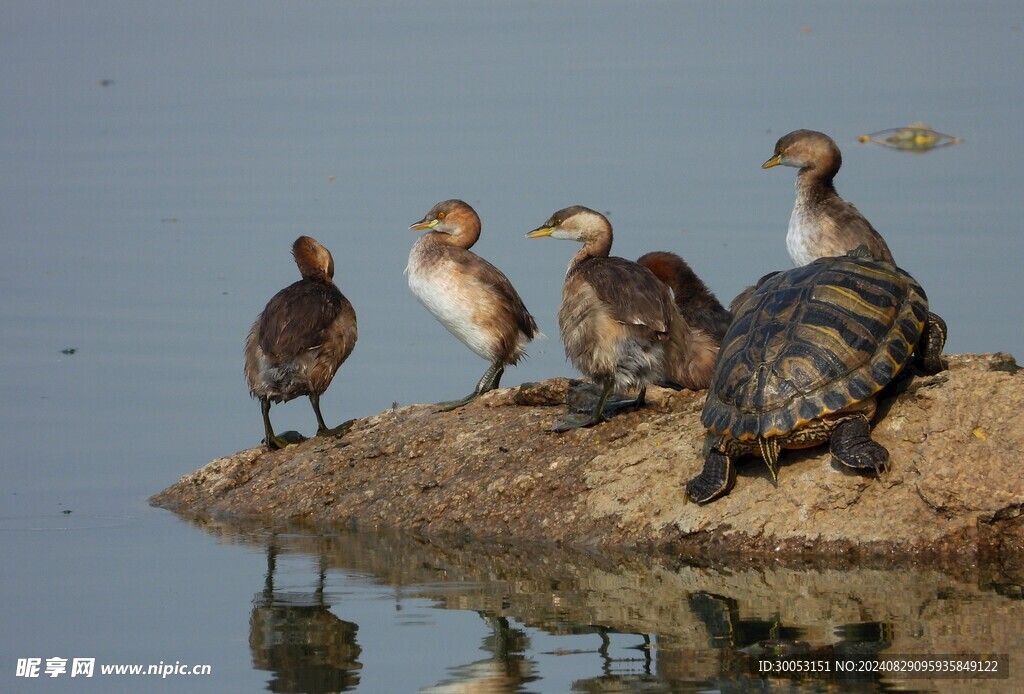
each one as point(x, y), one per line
point(617, 319)
point(300, 339)
point(692, 349)
point(696, 303)
point(822, 223)
point(468, 295)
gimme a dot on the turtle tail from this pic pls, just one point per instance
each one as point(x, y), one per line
point(770, 449)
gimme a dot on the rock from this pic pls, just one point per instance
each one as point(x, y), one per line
point(955, 490)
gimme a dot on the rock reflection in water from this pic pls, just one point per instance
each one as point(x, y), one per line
point(742, 643)
point(672, 626)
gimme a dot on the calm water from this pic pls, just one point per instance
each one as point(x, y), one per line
point(158, 161)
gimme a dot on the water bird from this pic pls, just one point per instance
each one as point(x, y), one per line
point(295, 346)
point(696, 303)
point(617, 319)
point(470, 297)
point(822, 223)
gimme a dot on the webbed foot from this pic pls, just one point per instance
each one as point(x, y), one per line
point(287, 438)
point(584, 396)
point(338, 431)
point(449, 405)
point(615, 406)
point(274, 441)
point(576, 421)
point(488, 382)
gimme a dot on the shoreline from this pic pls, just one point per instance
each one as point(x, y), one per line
point(954, 493)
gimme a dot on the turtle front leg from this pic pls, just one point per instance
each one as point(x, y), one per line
point(851, 445)
point(717, 477)
point(489, 381)
point(928, 354)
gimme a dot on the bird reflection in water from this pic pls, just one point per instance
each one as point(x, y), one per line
point(295, 636)
point(507, 670)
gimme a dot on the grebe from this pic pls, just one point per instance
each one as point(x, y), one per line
point(617, 319)
point(300, 339)
point(696, 303)
point(822, 223)
point(468, 295)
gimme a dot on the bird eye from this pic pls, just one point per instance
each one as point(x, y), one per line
point(440, 215)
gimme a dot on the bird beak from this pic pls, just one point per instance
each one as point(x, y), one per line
point(540, 232)
point(774, 161)
point(424, 224)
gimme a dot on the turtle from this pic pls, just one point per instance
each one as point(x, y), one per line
point(803, 361)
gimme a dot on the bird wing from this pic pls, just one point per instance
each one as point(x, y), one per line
point(296, 318)
point(632, 293)
point(495, 280)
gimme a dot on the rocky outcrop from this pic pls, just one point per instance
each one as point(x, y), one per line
point(955, 490)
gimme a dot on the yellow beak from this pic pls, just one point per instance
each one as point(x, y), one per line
point(774, 161)
point(424, 224)
point(540, 232)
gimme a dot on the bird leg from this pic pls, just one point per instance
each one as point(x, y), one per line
point(341, 429)
point(489, 381)
point(579, 421)
point(639, 401)
point(273, 442)
point(321, 427)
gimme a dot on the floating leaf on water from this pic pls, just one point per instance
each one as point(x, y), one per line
point(917, 138)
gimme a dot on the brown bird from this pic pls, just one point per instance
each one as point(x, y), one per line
point(617, 319)
point(696, 303)
point(468, 295)
point(822, 223)
point(693, 348)
point(300, 339)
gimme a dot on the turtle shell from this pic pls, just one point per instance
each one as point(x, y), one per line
point(812, 341)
